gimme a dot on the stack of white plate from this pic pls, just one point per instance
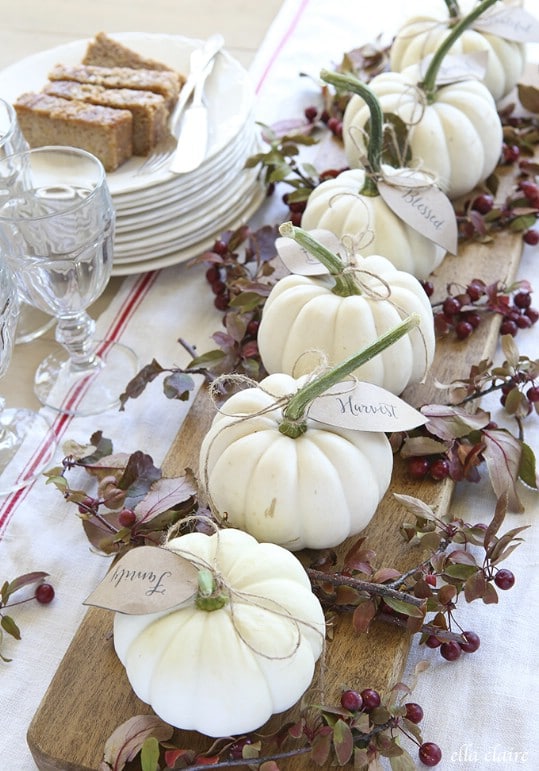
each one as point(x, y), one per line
point(164, 218)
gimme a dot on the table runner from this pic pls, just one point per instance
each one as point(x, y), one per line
point(481, 709)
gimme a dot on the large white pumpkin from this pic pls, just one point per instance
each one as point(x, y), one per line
point(303, 317)
point(226, 671)
point(457, 137)
point(423, 35)
point(338, 205)
point(312, 491)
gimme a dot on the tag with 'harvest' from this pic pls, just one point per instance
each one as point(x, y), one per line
point(364, 407)
point(147, 579)
point(424, 208)
point(299, 261)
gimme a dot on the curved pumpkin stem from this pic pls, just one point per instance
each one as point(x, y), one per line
point(294, 423)
point(429, 81)
point(344, 283)
point(376, 135)
point(453, 8)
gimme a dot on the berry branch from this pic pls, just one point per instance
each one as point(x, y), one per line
point(43, 593)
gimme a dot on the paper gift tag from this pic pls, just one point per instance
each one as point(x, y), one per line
point(147, 579)
point(510, 23)
point(457, 67)
point(424, 208)
point(364, 407)
point(301, 262)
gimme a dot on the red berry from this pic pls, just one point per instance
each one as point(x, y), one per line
point(87, 505)
point(531, 237)
point(532, 314)
point(252, 327)
point(428, 287)
point(441, 325)
point(220, 248)
point(311, 113)
point(221, 301)
point(522, 300)
point(451, 306)
point(463, 329)
point(371, 699)
point(473, 318)
point(432, 641)
point(533, 394)
point(430, 578)
point(509, 327)
point(523, 322)
point(483, 203)
point(450, 650)
point(127, 518)
point(439, 469)
point(510, 153)
point(472, 642)
point(212, 274)
point(351, 700)
point(504, 579)
point(414, 712)
point(44, 593)
point(530, 190)
point(475, 289)
point(430, 754)
point(418, 467)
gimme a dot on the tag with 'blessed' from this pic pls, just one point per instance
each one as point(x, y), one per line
point(364, 407)
point(424, 208)
point(510, 23)
point(147, 579)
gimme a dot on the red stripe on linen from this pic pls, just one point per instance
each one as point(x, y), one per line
point(281, 45)
point(62, 421)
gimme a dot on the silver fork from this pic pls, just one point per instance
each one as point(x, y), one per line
point(198, 62)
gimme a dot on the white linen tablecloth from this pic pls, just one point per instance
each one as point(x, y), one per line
point(482, 709)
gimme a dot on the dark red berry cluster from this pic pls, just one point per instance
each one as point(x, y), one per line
point(368, 700)
point(434, 466)
point(216, 276)
point(463, 309)
point(451, 650)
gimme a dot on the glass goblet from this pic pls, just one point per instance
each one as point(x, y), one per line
point(56, 233)
point(27, 442)
point(32, 323)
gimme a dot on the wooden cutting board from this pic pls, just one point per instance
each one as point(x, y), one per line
point(90, 696)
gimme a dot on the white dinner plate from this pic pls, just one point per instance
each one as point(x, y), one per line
point(157, 261)
point(229, 94)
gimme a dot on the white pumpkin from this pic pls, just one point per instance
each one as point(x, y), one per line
point(457, 137)
point(226, 671)
point(339, 206)
point(312, 491)
point(422, 35)
point(303, 318)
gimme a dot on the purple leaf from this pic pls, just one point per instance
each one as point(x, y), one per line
point(24, 580)
point(343, 742)
point(453, 422)
point(127, 740)
point(163, 495)
point(502, 455)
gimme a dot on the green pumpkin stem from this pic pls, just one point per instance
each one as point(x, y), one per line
point(429, 81)
point(453, 8)
point(376, 134)
point(209, 597)
point(344, 283)
point(294, 423)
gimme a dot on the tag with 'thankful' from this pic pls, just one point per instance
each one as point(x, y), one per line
point(510, 23)
point(148, 579)
point(364, 407)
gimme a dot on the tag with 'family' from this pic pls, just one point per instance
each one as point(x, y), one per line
point(147, 579)
point(364, 407)
point(299, 261)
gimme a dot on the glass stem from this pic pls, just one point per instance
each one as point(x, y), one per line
point(76, 334)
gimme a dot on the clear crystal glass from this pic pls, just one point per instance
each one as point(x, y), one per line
point(32, 323)
point(27, 442)
point(56, 233)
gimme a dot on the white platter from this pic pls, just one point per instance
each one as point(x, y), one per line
point(229, 94)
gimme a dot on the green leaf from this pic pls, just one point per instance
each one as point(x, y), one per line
point(9, 626)
point(459, 571)
point(207, 359)
point(401, 606)
point(527, 470)
point(343, 742)
point(149, 754)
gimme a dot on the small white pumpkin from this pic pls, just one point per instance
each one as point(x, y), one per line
point(308, 317)
point(226, 671)
point(422, 35)
point(309, 491)
point(338, 205)
point(454, 130)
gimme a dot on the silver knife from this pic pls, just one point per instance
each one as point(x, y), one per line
point(193, 132)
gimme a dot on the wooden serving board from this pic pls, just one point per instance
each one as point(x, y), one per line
point(89, 697)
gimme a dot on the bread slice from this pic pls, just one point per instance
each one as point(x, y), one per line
point(104, 51)
point(103, 131)
point(157, 81)
point(149, 110)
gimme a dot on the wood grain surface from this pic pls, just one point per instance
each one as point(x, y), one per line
point(90, 695)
